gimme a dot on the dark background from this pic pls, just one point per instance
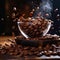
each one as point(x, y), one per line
point(6, 24)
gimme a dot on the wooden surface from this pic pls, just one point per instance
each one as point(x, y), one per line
point(5, 38)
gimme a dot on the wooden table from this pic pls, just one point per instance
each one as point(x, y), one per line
point(5, 38)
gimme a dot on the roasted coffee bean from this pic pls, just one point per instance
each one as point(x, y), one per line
point(39, 54)
point(58, 53)
point(54, 53)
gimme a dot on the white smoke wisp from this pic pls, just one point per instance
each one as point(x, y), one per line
point(45, 8)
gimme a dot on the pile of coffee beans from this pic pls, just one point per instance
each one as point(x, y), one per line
point(46, 48)
point(23, 51)
point(34, 27)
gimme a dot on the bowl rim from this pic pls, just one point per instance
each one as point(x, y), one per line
point(44, 32)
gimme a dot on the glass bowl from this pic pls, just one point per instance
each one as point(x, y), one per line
point(34, 27)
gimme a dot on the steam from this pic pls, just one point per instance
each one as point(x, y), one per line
point(45, 9)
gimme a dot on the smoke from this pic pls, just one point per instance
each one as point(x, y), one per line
point(45, 9)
